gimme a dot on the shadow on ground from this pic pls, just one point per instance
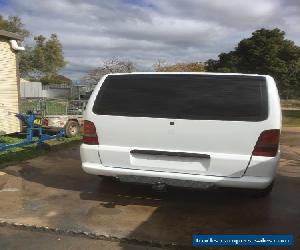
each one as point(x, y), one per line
point(180, 213)
point(55, 184)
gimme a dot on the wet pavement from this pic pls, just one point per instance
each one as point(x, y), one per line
point(51, 192)
point(12, 238)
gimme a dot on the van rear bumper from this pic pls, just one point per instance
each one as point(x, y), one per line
point(235, 182)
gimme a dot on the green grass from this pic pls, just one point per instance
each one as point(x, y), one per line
point(292, 103)
point(53, 107)
point(30, 151)
point(56, 107)
point(291, 118)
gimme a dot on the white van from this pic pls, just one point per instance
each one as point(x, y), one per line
point(184, 128)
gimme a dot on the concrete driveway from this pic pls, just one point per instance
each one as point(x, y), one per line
point(50, 197)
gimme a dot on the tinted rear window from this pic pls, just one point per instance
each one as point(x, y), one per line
point(197, 97)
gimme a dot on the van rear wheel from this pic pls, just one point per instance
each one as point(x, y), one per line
point(72, 128)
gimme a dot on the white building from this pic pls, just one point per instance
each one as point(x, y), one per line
point(9, 82)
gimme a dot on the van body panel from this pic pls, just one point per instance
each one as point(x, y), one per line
point(229, 143)
point(229, 152)
point(253, 182)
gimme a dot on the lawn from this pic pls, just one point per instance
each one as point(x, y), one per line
point(50, 107)
point(292, 104)
point(291, 113)
point(291, 118)
point(30, 151)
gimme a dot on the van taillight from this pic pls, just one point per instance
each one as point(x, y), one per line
point(267, 143)
point(89, 133)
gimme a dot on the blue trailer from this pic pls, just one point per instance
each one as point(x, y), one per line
point(31, 129)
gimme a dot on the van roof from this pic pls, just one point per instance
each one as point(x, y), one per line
point(187, 73)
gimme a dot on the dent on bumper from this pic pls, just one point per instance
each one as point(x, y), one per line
point(241, 182)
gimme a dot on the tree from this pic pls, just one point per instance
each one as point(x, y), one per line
point(114, 65)
point(179, 67)
point(14, 24)
point(56, 79)
point(54, 57)
point(43, 60)
point(227, 62)
point(26, 62)
point(265, 52)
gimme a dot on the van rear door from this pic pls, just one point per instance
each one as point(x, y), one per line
point(183, 123)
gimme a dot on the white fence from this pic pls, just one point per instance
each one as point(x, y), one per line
point(31, 90)
point(38, 90)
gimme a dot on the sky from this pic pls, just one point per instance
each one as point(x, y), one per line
point(145, 31)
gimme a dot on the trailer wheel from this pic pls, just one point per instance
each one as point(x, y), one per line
point(72, 128)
